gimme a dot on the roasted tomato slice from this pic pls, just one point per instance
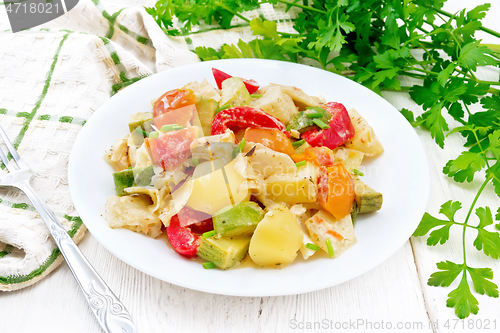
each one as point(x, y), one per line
point(180, 116)
point(242, 117)
point(171, 149)
point(336, 190)
point(219, 76)
point(172, 100)
point(182, 239)
point(341, 129)
point(197, 221)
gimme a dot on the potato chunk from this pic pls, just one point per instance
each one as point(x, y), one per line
point(292, 188)
point(323, 226)
point(210, 192)
point(277, 238)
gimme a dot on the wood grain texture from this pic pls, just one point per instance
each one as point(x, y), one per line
point(395, 292)
point(391, 292)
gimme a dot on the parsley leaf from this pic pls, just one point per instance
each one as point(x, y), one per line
point(473, 55)
point(447, 274)
point(408, 115)
point(264, 28)
point(428, 222)
point(462, 300)
point(487, 241)
point(465, 166)
point(480, 277)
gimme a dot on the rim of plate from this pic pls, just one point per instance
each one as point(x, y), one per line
point(388, 250)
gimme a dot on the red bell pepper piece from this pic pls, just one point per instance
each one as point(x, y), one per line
point(241, 117)
point(172, 148)
point(197, 221)
point(341, 129)
point(219, 76)
point(182, 239)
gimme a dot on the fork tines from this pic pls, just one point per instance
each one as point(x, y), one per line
point(13, 153)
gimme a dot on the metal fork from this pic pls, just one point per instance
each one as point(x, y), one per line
point(109, 311)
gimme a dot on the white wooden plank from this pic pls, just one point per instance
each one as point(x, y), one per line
point(391, 293)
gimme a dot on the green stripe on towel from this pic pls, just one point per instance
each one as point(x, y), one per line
point(77, 223)
point(29, 116)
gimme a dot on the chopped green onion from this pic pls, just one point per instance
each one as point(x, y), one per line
point(314, 115)
point(236, 151)
point(356, 171)
point(168, 128)
point(242, 144)
point(177, 127)
point(316, 108)
point(225, 106)
point(288, 128)
point(301, 163)
point(321, 124)
point(255, 95)
point(312, 246)
point(141, 131)
point(208, 265)
point(298, 143)
point(208, 234)
point(329, 246)
point(154, 134)
point(195, 161)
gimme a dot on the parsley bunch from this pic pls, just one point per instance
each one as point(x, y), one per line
point(377, 43)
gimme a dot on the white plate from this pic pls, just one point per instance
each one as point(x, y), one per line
point(401, 173)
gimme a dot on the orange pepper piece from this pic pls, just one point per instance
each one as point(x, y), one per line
point(271, 138)
point(336, 190)
point(321, 156)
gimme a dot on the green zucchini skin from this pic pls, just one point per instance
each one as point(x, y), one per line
point(132, 177)
point(237, 220)
point(224, 252)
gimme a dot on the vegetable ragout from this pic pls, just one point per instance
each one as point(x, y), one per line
point(241, 170)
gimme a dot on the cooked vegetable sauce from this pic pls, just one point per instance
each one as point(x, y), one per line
point(238, 175)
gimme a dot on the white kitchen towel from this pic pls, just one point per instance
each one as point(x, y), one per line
point(52, 79)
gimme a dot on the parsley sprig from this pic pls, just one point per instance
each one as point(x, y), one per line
point(377, 43)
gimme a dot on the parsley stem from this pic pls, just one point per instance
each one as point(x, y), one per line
point(402, 88)
point(233, 12)
point(469, 213)
point(425, 71)
point(492, 174)
point(468, 78)
point(302, 6)
point(286, 34)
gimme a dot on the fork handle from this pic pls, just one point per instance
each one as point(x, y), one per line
point(109, 311)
